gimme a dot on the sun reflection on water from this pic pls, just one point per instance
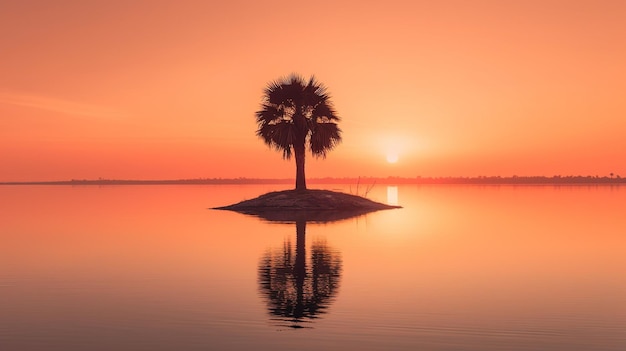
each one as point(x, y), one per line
point(392, 195)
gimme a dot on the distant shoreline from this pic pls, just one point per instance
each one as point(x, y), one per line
point(492, 180)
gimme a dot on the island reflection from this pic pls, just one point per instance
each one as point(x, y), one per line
point(298, 288)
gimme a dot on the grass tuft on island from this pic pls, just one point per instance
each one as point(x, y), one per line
point(311, 205)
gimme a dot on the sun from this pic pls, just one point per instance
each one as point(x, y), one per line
point(392, 157)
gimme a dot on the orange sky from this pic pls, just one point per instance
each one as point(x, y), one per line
point(168, 89)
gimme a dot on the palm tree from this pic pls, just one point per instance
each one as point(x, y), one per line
point(296, 114)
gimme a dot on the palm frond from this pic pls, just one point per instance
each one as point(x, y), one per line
point(324, 137)
point(280, 136)
point(270, 114)
point(325, 113)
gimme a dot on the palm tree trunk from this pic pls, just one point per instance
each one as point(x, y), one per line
point(300, 179)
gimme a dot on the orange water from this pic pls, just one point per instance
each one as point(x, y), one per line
point(457, 268)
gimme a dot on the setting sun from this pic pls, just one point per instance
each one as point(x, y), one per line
point(392, 157)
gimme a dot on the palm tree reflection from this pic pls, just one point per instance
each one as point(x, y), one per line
point(297, 291)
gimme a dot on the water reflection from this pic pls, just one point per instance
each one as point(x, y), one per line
point(298, 288)
point(392, 195)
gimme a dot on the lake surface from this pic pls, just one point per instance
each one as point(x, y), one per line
point(458, 268)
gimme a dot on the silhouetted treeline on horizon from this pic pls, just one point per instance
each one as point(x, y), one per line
point(572, 180)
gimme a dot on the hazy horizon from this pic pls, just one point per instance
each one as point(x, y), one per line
point(612, 178)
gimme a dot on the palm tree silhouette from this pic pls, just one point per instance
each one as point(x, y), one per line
point(295, 114)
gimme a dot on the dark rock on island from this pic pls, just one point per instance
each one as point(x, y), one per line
point(310, 205)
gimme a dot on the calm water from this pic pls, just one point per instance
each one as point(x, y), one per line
point(458, 268)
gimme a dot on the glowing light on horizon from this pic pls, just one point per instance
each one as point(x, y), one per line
point(392, 157)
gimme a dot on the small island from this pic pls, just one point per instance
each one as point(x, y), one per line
point(312, 205)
